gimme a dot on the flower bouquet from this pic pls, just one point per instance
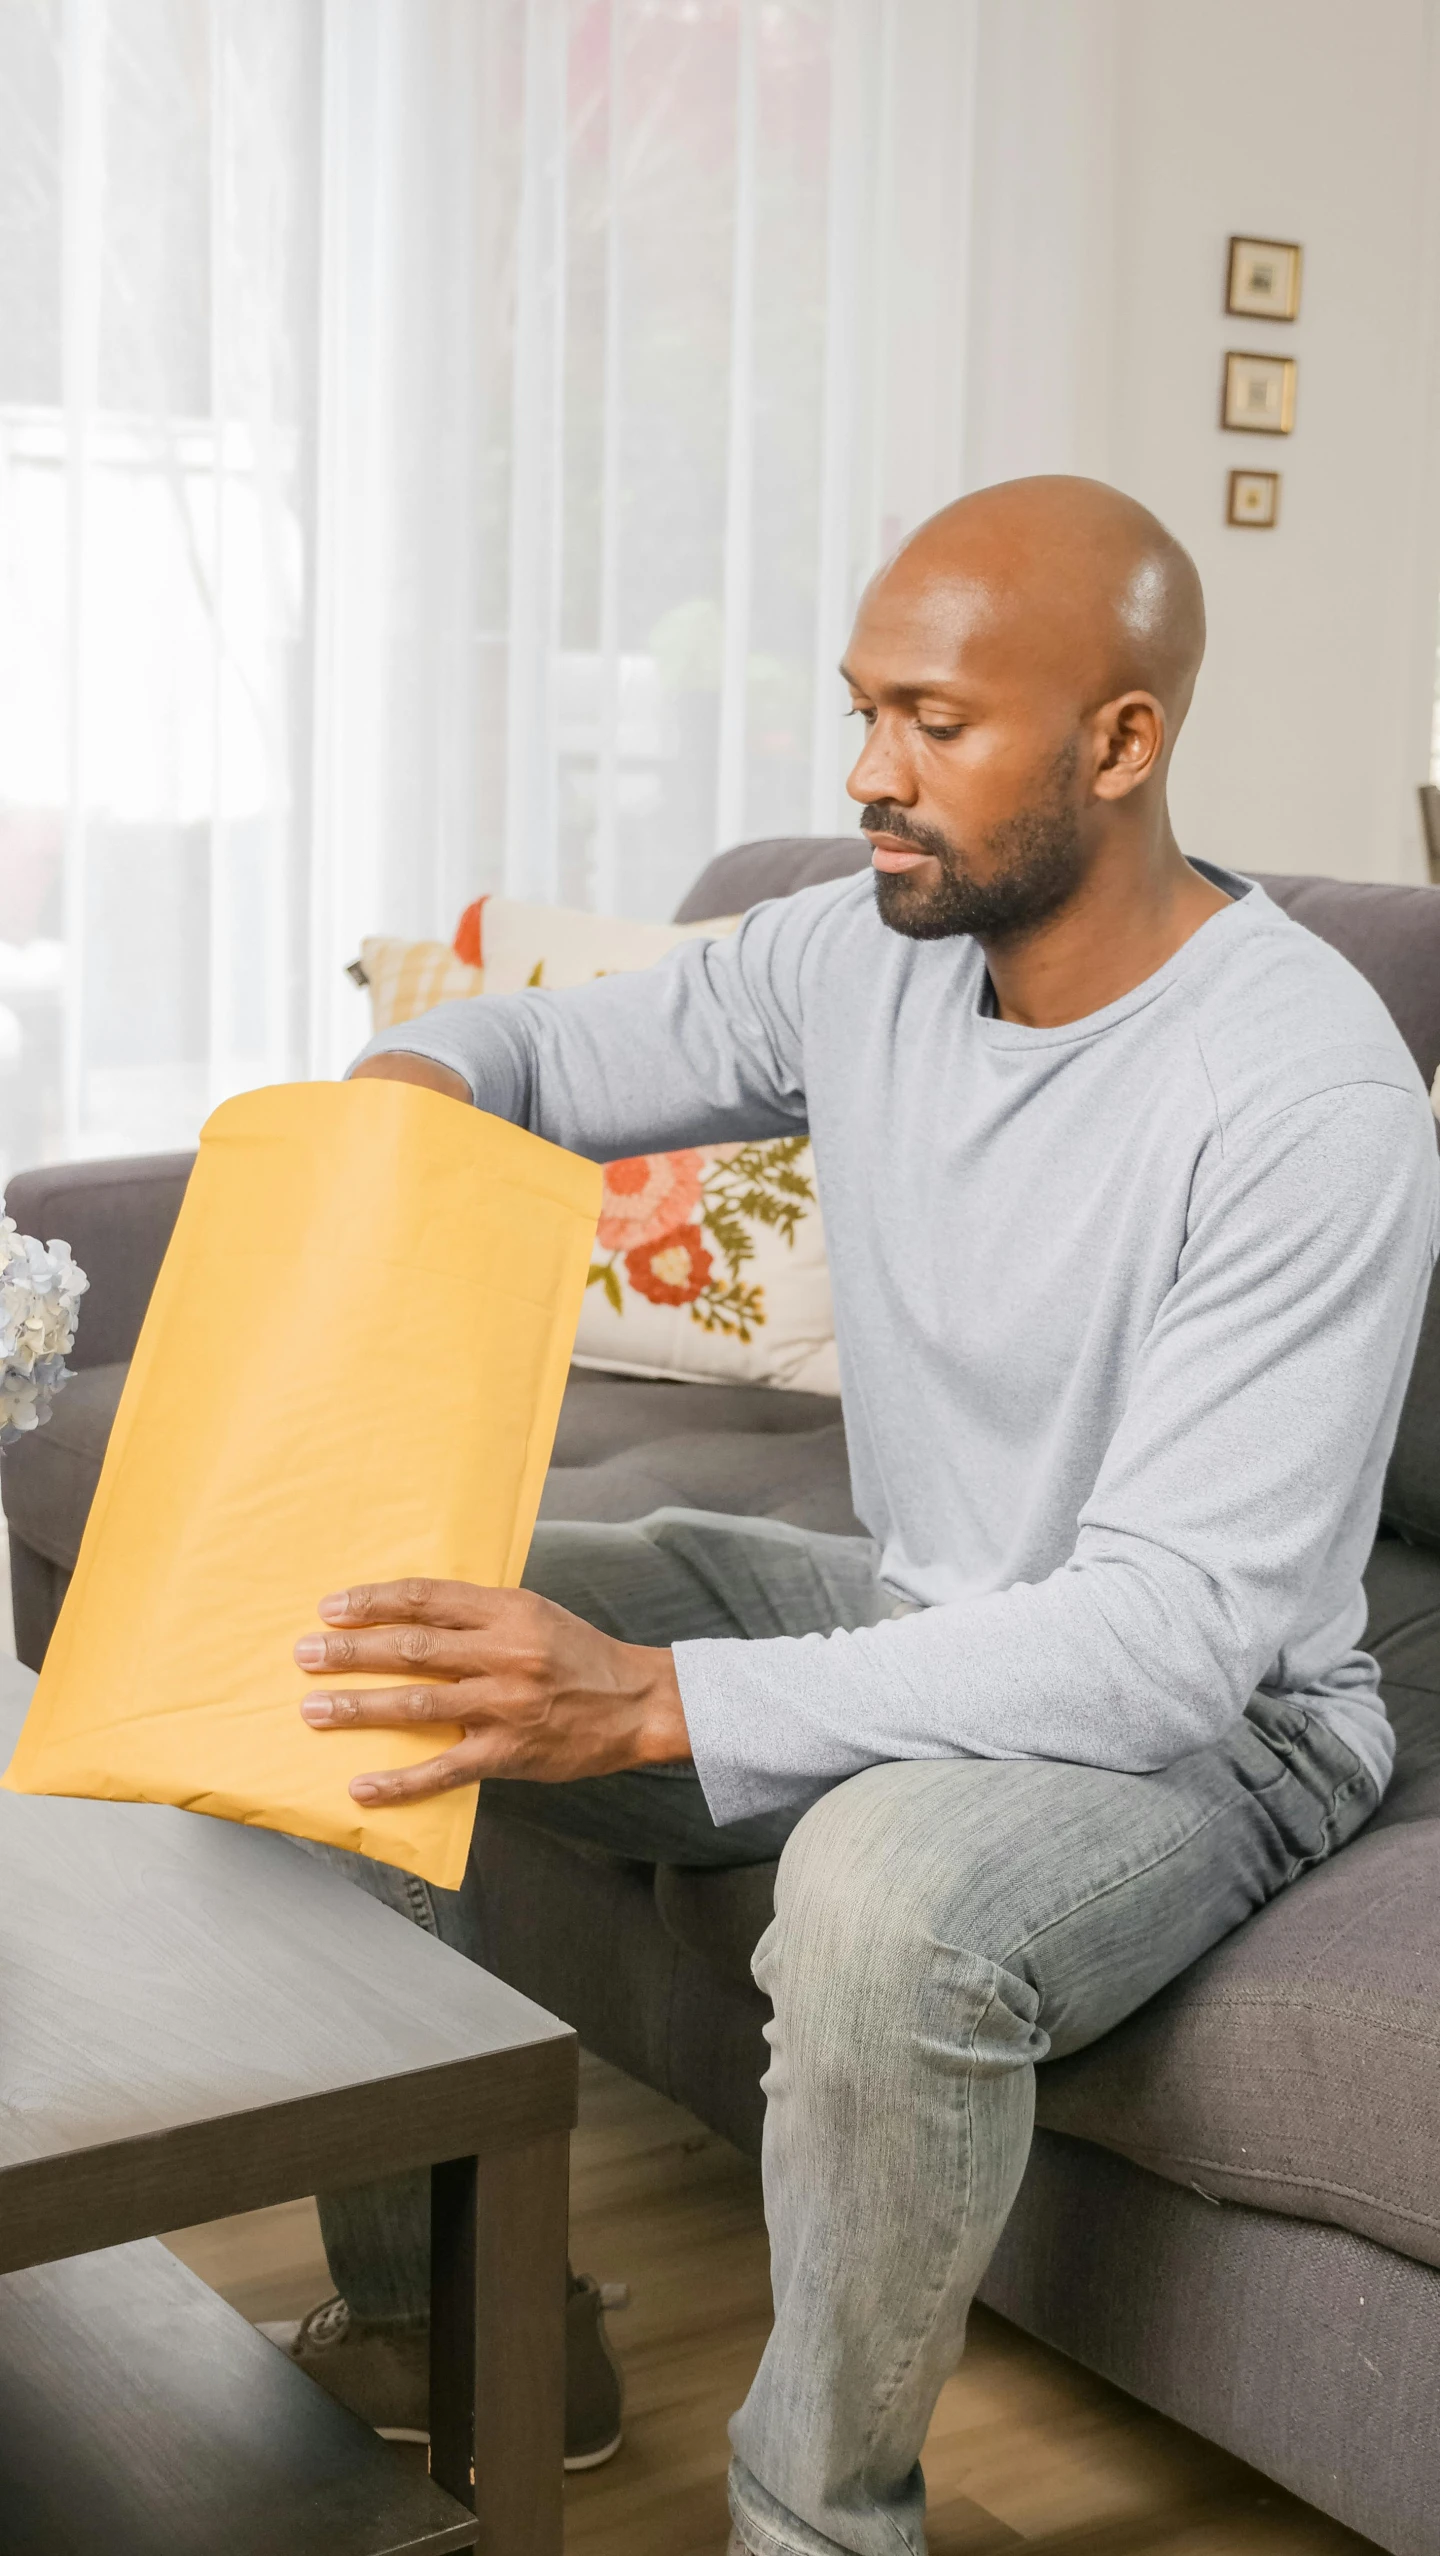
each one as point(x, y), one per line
point(40, 1292)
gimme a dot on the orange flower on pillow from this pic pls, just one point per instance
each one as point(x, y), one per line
point(681, 1229)
point(647, 1196)
point(672, 1270)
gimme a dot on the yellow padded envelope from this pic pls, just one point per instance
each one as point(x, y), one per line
point(351, 1370)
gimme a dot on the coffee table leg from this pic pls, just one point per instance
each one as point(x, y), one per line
point(497, 2341)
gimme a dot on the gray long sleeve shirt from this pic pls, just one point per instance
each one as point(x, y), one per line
point(1124, 1310)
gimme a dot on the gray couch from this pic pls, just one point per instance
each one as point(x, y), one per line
point(1233, 2208)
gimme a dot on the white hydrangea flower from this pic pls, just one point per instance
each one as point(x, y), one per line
point(40, 1292)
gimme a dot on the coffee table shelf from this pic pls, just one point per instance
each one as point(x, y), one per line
point(197, 2019)
point(140, 2415)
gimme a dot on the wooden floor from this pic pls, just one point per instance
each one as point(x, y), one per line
point(1026, 2451)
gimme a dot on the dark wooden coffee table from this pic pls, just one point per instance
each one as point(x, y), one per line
point(197, 2019)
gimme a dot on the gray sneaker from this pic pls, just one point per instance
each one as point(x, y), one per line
point(382, 2372)
point(594, 2388)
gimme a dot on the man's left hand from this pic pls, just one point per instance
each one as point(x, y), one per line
point(538, 1692)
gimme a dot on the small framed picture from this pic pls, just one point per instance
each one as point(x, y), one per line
point(1259, 393)
point(1254, 499)
point(1264, 279)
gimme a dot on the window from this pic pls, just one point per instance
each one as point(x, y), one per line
point(440, 445)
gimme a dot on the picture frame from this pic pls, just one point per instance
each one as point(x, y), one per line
point(1259, 394)
point(1263, 279)
point(1253, 500)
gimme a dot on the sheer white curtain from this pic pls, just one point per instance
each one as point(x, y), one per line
point(440, 445)
point(158, 269)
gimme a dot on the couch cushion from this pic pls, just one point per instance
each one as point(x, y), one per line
point(606, 1415)
point(1402, 1585)
point(718, 1916)
point(777, 866)
point(1392, 934)
point(800, 1476)
point(48, 1479)
point(1297, 2067)
point(1411, 1499)
point(624, 1448)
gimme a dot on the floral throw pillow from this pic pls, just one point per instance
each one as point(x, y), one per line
point(519, 944)
point(405, 978)
point(709, 1262)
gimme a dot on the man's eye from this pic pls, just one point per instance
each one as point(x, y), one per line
point(857, 710)
point(927, 731)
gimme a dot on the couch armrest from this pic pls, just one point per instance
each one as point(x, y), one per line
point(117, 1218)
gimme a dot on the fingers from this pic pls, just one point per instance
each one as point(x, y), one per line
point(402, 1708)
point(385, 1708)
point(425, 1648)
point(446, 1602)
point(439, 1628)
point(462, 1765)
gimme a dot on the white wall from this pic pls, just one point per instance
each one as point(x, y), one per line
point(1118, 144)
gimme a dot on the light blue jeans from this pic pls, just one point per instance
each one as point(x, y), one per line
point(940, 1930)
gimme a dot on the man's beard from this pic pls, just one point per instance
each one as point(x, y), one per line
point(1036, 861)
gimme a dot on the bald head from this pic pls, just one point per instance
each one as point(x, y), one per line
point(1023, 665)
point(1061, 568)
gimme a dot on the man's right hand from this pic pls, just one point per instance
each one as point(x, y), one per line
point(399, 1068)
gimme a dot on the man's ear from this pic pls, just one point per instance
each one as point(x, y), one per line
point(1130, 736)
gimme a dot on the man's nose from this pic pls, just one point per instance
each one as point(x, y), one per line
point(882, 768)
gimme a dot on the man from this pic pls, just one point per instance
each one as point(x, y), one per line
point(1130, 1194)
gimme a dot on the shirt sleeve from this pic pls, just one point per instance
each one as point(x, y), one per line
point(699, 1049)
point(1247, 1464)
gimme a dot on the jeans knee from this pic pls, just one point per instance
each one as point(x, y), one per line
point(838, 1911)
point(874, 1954)
point(841, 1960)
